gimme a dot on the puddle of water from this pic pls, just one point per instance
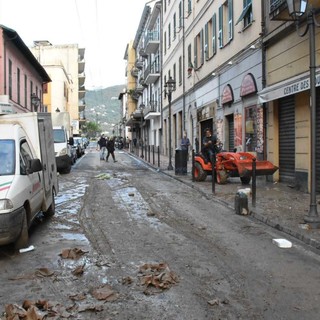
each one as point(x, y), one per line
point(74, 237)
point(136, 207)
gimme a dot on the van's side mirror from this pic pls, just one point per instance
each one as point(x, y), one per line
point(34, 166)
point(71, 141)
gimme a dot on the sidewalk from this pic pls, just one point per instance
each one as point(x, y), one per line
point(277, 204)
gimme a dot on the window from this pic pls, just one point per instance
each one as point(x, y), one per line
point(180, 15)
point(174, 26)
point(169, 35)
point(18, 85)
point(7, 157)
point(210, 43)
point(25, 91)
point(190, 64)
point(31, 91)
point(246, 15)
point(180, 70)
point(165, 42)
point(198, 50)
point(25, 157)
point(10, 79)
point(225, 23)
point(189, 7)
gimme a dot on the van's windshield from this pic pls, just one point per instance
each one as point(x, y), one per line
point(7, 157)
point(59, 136)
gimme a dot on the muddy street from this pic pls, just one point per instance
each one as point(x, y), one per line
point(128, 242)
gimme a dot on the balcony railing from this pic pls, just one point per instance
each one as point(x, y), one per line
point(152, 72)
point(152, 110)
point(152, 42)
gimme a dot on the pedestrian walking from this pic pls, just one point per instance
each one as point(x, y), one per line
point(185, 143)
point(110, 149)
point(102, 143)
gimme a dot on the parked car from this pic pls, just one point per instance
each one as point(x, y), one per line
point(79, 144)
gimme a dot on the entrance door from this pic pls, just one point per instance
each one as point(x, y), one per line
point(230, 127)
point(287, 139)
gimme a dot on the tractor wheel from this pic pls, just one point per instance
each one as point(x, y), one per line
point(199, 173)
point(245, 180)
point(222, 176)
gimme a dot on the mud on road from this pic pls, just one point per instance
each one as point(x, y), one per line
point(128, 242)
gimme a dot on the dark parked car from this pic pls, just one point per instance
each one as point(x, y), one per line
point(79, 144)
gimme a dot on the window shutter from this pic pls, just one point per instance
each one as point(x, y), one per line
point(220, 27)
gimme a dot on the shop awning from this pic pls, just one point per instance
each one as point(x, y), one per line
point(287, 87)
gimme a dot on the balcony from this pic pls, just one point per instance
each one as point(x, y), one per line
point(81, 80)
point(139, 64)
point(277, 10)
point(143, 53)
point(135, 72)
point(81, 105)
point(81, 92)
point(152, 72)
point(152, 42)
point(152, 110)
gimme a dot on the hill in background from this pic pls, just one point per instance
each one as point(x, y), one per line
point(104, 107)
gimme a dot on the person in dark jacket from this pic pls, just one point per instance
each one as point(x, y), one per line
point(209, 143)
point(110, 149)
point(102, 143)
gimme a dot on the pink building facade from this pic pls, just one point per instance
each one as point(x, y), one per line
point(23, 80)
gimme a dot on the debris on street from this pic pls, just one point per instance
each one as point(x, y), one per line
point(282, 243)
point(74, 253)
point(158, 276)
point(103, 176)
point(30, 248)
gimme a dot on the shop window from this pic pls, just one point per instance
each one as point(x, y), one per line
point(254, 130)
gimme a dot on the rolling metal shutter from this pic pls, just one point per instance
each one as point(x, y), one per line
point(287, 139)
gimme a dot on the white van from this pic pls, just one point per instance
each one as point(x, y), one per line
point(63, 141)
point(28, 174)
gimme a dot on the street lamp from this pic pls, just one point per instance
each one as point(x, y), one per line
point(141, 107)
point(296, 9)
point(35, 102)
point(170, 86)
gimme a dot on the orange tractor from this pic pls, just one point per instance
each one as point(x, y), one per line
point(231, 164)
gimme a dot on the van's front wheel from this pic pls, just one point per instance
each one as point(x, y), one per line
point(23, 238)
point(52, 209)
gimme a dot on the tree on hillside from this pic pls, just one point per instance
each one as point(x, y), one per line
point(93, 129)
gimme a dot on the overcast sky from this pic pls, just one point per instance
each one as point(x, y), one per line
point(102, 27)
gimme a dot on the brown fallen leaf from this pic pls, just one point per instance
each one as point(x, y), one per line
point(105, 293)
point(89, 307)
point(43, 272)
point(78, 271)
point(74, 253)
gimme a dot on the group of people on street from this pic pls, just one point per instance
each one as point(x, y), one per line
point(106, 144)
point(208, 150)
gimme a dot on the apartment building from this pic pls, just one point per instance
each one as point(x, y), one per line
point(65, 64)
point(287, 93)
point(143, 57)
point(23, 80)
point(213, 51)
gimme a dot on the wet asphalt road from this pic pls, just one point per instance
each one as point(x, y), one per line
point(227, 266)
